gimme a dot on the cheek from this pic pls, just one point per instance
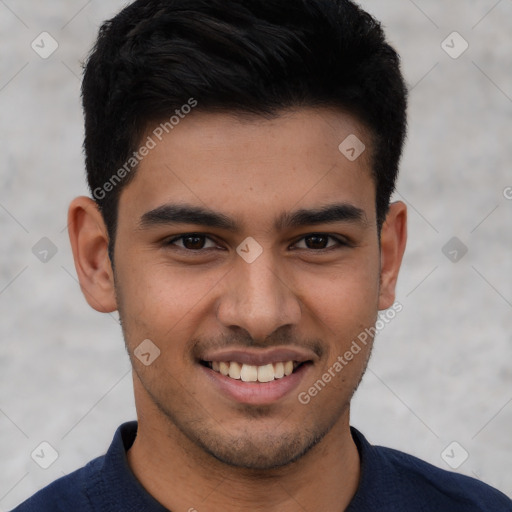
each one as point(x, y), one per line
point(156, 301)
point(348, 297)
point(346, 309)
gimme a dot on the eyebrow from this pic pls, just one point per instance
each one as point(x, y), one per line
point(172, 214)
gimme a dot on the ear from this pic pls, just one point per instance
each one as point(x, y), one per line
point(89, 241)
point(392, 247)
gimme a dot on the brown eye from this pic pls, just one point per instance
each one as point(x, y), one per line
point(319, 241)
point(192, 242)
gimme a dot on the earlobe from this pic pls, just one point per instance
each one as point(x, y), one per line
point(89, 241)
point(392, 247)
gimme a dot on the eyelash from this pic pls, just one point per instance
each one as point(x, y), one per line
point(340, 242)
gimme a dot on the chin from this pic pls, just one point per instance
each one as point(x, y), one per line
point(270, 450)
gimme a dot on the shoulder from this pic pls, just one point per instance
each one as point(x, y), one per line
point(398, 481)
point(444, 487)
point(103, 484)
point(70, 492)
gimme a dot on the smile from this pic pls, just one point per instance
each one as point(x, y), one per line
point(253, 373)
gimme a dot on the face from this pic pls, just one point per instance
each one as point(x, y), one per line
point(250, 248)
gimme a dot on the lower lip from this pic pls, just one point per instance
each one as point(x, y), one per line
point(259, 393)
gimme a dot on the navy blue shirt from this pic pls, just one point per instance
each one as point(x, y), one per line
point(391, 481)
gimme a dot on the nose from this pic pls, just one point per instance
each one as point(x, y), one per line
point(259, 298)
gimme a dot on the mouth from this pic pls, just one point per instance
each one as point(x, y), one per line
point(257, 376)
point(254, 373)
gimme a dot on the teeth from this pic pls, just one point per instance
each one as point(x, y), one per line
point(223, 367)
point(235, 370)
point(278, 370)
point(266, 373)
point(252, 373)
point(249, 373)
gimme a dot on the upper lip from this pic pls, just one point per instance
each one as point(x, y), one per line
point(260, 357)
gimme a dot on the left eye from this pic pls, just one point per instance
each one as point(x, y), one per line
point(318, 241)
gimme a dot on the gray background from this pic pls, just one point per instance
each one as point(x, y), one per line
point(441, 370)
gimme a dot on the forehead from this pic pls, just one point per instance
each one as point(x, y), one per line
point(249, 167)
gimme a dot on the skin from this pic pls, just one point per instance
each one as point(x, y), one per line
point(197, 448)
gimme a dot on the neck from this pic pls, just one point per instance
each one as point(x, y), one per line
point(183, 477)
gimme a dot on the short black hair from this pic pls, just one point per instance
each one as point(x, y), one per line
point(158, 58)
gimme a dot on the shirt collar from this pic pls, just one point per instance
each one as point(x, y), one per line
point(119, 485)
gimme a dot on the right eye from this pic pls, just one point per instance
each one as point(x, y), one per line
point(192, 242)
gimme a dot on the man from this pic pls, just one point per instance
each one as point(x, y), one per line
point(241, 156)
